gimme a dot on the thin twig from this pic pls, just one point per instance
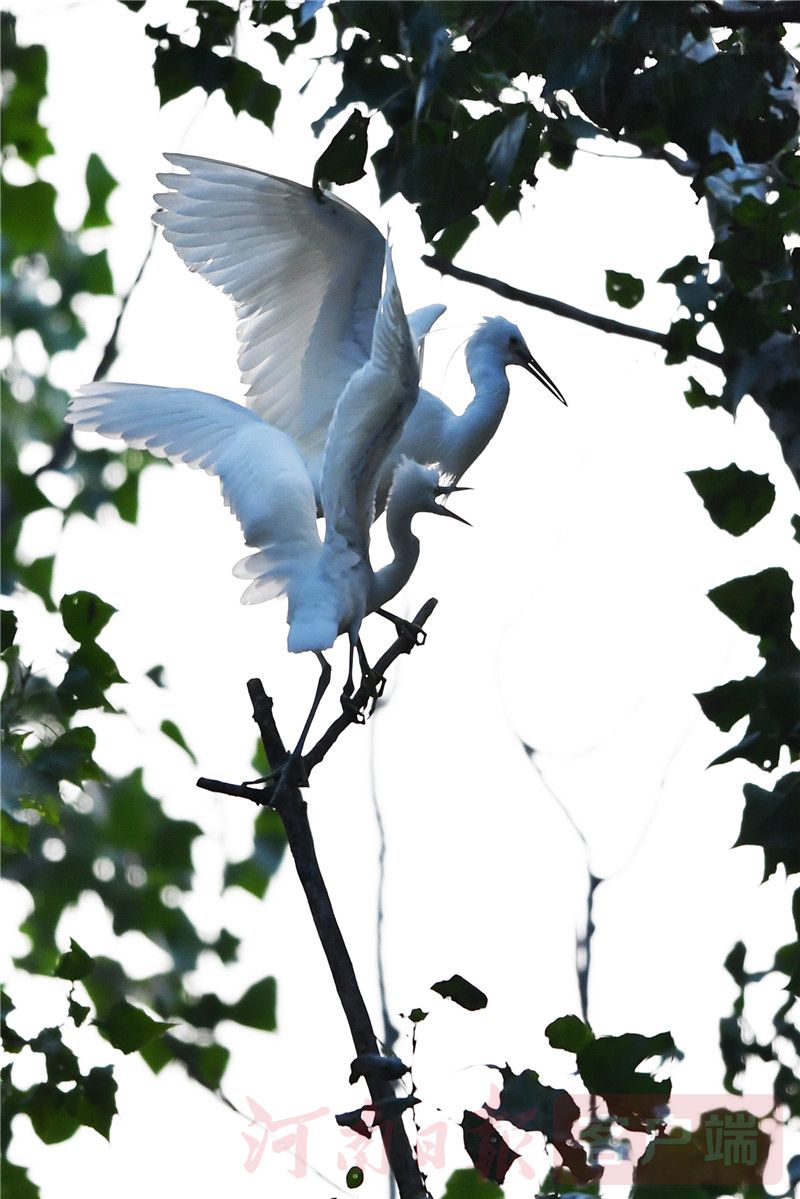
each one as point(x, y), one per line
point(583, 940)
point(606, 323)
point(63, 443)
point(390, 1032)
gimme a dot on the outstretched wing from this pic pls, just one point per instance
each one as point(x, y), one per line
point(305, 276)
point(264, 480)
point(368, 421)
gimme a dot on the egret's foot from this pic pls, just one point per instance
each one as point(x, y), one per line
point(354, 710)
point(412, 633)
point(377, 685)
point(289, 772)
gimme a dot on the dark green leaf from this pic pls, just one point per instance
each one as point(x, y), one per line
point(11, 1039)
point(796, 527)
point(91, 671)
point(171, 730)
point(62, 1064)
point(13, 833)
point(450, 240)
point(734, 964)
point(37, 576)
point(257, 1007)
point(735, 499)
point(342, 161)
point(226, 946)
point(179, 68)
point(625, 290)
point(248, 875)
point(69, 757)
point(25, 86)
point(490, 1154)
point(461, 992)
point(156, 675)
point(468, 1184)
point(95, 277)
point(53, 1112)
point(760, 604)
point(85, 615)
point(77, 1012)
point(8, 629)
point(770, 822)
point(100, 183)
point(98, 1104)
point(416, 1015)
point(16, 1184)
point(568, 1032)
point(534, 1107)
point(128, 1028)
point(206, 1064)
point(354, 1177)
point(681, 341)
point(727, 704)
point(697, 396)
point(29, 216)
point(607, 1066)
point(75, 963)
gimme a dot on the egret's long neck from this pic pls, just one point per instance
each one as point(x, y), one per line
point(478, 423)
point(391, 578)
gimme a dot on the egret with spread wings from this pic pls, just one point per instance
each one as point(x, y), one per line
point(304, 274)
point(329, 582)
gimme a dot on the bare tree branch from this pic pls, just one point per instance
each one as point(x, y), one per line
point(756, 15)
point(606, 323)
point(293, 812)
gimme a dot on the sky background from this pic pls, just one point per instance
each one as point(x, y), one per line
point(573, 615)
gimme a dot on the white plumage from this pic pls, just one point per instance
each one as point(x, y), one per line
point(329, 582)
point(304, 275)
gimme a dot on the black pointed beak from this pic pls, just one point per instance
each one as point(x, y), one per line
point(453, 515)
point(450, 488)
point(533, 368)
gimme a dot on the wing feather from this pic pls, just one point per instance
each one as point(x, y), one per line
point(368, 421)
point(262, 474)
point(304, 275)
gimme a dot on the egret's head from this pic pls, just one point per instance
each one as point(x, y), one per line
point(417, 488)
point(504, 339)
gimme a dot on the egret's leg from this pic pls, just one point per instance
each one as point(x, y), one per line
point(406, 628)
point(347, 690)
point(322, 687)
point(375, 682)
point(348, 704)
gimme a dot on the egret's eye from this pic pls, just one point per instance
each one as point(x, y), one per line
point(513, 341)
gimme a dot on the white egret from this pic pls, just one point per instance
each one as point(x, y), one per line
point(304, 275)
point(329, 582)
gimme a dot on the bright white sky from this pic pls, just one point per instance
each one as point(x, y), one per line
point(574, 614)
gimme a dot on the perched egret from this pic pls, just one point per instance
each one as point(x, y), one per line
point(304, 274)
point(329, 582)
